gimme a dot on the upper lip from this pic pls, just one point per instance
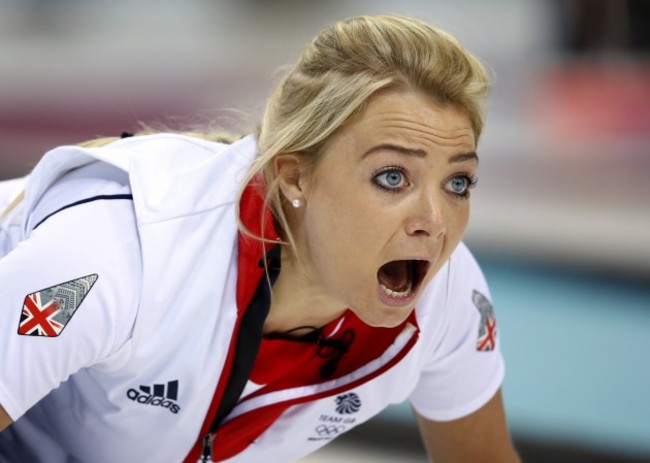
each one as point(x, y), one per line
point(416, 258)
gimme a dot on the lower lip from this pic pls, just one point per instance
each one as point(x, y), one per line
point(396, 301)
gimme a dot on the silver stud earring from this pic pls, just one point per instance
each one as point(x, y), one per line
point(296, 203)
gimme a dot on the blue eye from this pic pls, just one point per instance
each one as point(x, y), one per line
point(390, 179)
point(461, 184)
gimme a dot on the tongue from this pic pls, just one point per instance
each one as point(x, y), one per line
point(394, 275)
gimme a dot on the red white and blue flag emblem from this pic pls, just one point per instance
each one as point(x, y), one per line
point(487, 330)
point(48, 311)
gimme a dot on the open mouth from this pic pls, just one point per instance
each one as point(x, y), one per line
point(400, 279)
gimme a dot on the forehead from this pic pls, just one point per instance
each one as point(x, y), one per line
point(411, 117)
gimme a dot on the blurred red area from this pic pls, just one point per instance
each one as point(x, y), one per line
point(587, 101)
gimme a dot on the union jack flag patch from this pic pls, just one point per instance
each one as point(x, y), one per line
point(48, 311)
point(487, 330)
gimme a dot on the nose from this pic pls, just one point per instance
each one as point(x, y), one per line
point(427, 217)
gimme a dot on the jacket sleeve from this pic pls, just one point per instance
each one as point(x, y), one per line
point(68, 295)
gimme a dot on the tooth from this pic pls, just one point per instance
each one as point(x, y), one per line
point(392, 293)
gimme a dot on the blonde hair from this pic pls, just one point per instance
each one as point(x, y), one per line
point(342, 68)
point(336, 75)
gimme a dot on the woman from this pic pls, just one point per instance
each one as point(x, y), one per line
point(171, 298)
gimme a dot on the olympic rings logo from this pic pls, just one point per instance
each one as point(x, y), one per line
point(325, 430)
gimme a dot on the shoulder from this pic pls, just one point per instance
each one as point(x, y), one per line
point(463, 264)
point(174, 176)
point(460, 357)
point(171, 149)
point(456, 280)
point(167, 174)
point(93, 182)
point(454, 306)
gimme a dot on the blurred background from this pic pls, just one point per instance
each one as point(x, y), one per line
point(560, 222)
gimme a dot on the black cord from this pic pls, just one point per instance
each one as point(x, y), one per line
point(312, 336)
point(333, 349)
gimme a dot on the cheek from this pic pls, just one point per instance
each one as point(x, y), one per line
point(341, 235)
point(457, 224)
point(335, 235)
point(344, 212)
point(325, 233)
point(462, 219)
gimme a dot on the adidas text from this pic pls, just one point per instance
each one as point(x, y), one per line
point(161, 395)
point(139, 397)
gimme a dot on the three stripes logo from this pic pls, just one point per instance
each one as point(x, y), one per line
point(161, 395)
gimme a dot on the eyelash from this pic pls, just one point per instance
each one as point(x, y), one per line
point(472, 181)
point(388, 170)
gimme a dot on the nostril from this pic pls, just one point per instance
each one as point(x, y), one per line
point(420, 233)
point(427, 226)
point(422, 227)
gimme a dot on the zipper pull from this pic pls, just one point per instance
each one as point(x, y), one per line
point(208, 439)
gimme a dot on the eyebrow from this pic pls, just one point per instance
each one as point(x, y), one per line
point(461, 157)
point(464, 157)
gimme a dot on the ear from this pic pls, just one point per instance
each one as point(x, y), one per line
point(289, 172)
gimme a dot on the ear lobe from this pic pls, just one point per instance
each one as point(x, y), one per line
point(288, 172)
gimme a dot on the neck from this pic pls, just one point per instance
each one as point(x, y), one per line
point(297, 301)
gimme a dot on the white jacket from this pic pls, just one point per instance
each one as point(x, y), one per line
point(160, 316)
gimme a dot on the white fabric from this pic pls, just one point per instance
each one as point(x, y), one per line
point(163, 310)
point(464, 379)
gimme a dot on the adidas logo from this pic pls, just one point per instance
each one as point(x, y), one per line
point(160, 395)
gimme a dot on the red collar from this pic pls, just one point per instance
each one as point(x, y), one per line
point(258, 220)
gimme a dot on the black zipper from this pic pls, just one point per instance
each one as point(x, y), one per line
point(206, 453)
point(247, 345)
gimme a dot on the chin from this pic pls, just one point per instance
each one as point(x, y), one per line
point(386, 317)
